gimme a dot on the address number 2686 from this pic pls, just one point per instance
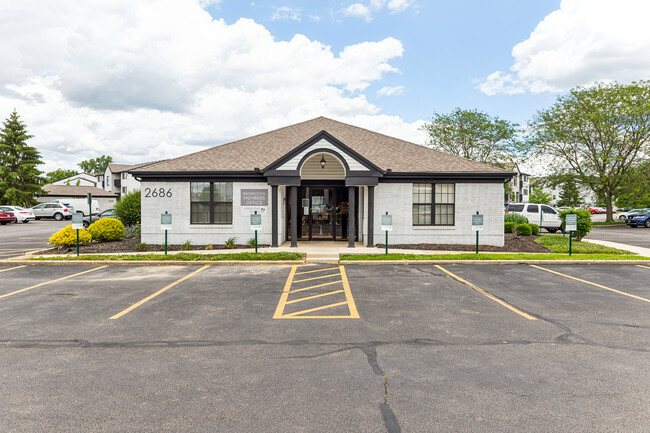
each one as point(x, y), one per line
point(157, 192)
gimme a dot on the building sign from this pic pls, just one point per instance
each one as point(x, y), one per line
point(477, 222)
point(256, 221)
point(254, 200)
point(387, 223)
point(165, 221)
point(78, 221)
point(571, 222)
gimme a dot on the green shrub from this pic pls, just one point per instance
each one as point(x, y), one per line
point(584, 222)
point(251, 242)
point(230, 243)
point(508, 227)
point(186, 246)
point(141, 246)
point(131, 232)
point(107, 229)
point(68, 236)
point(535, 229)
point(128, 208)
point(515, 218)
point(524, 229)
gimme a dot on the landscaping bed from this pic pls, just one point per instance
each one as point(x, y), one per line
point(512, 243)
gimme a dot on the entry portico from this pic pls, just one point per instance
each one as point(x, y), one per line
point(327, 181)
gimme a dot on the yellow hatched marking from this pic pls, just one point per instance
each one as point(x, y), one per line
point(315, 317)
point(645, 267)
point(297, 313)
point(52, 281)
point(314, 296)
point(317, 270)
point(11, 269)
point(593, 284)
point(285, 293)
point(489, 295)
point(348, 294)
point(148, 298)
point(317, 285)
point(316, 278)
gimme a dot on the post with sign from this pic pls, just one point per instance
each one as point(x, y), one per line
point(387, 226)
point(165, 224)
point(256, 224)
point(77, 224)
point(90, 207)
point(571, 225)
point(477, 226)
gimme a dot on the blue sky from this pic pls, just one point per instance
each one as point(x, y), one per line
point(153, 79)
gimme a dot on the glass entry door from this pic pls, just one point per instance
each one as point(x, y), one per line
point(322, 213)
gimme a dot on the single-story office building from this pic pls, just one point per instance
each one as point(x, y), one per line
point(322, 180)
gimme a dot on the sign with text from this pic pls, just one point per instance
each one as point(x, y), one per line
point(256, 221)
point(387, 223)
point(77, 221)
point(571, 222)
point(166, 221)
point(477, 222)
point(254, 200)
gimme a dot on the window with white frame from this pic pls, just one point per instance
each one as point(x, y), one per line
point(434, 204)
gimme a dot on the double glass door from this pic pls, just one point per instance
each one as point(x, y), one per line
point(323, 213)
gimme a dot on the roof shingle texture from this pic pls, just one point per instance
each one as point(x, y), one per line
point(73, 190)
point(263, 149)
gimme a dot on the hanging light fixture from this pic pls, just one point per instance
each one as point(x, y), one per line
point(322, 161)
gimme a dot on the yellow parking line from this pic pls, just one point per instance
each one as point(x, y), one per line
point(489, 295)
point(593, 284)
point(15, 267)
point(314, 296)
point(150, 297)
point(316, 309)
point(316, 278)
point(317, 270)
point(52, 281)
point(645, 267)
point(285, 293)
point(348, 294)
point(317, 285)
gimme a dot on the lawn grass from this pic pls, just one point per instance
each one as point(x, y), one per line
point(560, 244)
point(491, 256)
point(189, 257)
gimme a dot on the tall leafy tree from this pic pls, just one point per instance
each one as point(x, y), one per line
point(96, 165)
point(597, 133)
point(634, 190)
point(538, 195)
point(58, 174)
point(20, 180)
point(474, 135)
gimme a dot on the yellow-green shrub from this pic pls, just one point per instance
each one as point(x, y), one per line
point(107, 229)
point(68, 236)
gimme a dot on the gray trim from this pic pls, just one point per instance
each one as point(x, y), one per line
point(351, 215)
point(361, 180)
point(284, 180)
point(294, 216)
point(371, 215)
point(274, 216)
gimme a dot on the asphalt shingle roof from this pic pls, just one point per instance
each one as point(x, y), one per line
point(75, 191)
point(263, 149)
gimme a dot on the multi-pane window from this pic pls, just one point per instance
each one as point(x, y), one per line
point(433, 204)
point(211, 202)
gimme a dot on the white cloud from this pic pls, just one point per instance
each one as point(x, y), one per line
point(373, 7)
point(160, 78)
point(582, 42)
point(286, 13)
point(390, 91)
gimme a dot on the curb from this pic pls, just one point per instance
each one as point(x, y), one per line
point(493, 262)
point(150, 262)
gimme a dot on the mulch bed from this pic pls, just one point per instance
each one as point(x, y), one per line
point(130, 246)
point(512, 244)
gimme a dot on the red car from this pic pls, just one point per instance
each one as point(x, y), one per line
point(7, 217)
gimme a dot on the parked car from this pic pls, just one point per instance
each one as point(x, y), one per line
point(623, 216)
point(640, 219)
point(109, 213)
point(22, 215)
point(7, 217)
point(52, 210)
point(79, 205)
point(536, 213)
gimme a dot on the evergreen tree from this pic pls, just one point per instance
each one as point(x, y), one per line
point(19, 178)
point(569, 194)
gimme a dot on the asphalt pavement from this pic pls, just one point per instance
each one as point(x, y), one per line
point(635, 236)
point(18, 238)
point(485, 348)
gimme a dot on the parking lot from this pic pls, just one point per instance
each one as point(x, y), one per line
point(325, 348)
point(17, 239)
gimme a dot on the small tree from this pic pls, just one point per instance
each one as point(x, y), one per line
point(539, 196)
point(20, 180)
point(96, 165)
point(58, 174)
point(128, 208)
point(569, 194)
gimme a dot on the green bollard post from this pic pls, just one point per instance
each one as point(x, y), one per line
point(476, 237)
point(255, 241)
point(386, 245)
point(570, 241)
point(165, 242)
point(77, 242)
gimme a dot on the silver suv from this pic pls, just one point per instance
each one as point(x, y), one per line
point(57, 211)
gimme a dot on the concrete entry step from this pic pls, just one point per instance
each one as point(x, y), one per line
point(322, 257)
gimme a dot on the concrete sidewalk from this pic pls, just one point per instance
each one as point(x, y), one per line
point(645, 252)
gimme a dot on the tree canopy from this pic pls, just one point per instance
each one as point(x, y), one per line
point(58, 174)
point(598, 134)
point(20, 180)
point(474, 135)
point(96, 165)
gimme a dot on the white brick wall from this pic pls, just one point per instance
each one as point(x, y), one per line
point(397, 199)
point(199, 234)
